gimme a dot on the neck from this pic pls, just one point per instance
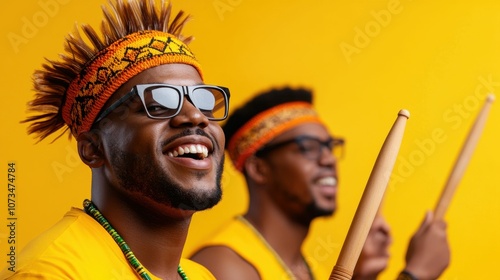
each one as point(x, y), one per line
point(154, 233)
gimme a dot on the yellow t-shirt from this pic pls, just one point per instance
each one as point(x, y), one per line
point(77, 247)
point(243, 239)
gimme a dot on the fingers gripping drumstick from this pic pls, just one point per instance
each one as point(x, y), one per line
point(463, 159)
point(370, 201)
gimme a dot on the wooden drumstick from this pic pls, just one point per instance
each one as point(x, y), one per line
point(463, 159)
point(370, 201)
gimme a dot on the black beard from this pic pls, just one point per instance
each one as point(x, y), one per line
point(315, 211)
point(310, 211)
point(154, 184)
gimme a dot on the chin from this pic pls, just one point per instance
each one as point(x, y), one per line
point(316, 210)
point(327, 207)
point(326, 212)
point(202, 199)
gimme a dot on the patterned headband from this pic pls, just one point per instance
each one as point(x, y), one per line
point(114, 66)
point(266, 125)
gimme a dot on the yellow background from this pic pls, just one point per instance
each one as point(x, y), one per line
point(365, 60)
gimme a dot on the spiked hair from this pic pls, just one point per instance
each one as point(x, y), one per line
point(121, 18)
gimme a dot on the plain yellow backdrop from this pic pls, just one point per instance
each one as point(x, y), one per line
point(365, 60)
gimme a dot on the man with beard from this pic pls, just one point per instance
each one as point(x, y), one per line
point(146, 125)
point(289, 161)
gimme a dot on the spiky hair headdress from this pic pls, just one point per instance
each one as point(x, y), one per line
point(135, 35)
point(264, 117)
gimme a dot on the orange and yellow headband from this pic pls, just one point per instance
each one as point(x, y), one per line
point(266, 125)
point(114, 66)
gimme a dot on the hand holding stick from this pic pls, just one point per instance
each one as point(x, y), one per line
point(463, 159)
point(370, 201)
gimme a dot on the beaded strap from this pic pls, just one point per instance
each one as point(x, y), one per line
point(405, 275)
point(92, 210)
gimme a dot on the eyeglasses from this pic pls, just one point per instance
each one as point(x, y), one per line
point(310, 147)
point(163, 101)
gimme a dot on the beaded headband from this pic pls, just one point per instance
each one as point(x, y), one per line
point(114, 66)
point(266, 125)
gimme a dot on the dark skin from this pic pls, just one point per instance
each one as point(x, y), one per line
point(283, 186)
point(428, 253)
point(136, 202)
point(375, 254)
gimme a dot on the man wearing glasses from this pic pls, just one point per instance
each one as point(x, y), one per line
point(289, 161)
point(147, 126)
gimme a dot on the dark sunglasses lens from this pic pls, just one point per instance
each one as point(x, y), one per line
point(161, 101)
point(313, 148)
point(210, 101)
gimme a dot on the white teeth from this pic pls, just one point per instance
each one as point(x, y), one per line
point(328, 181)
point(191, 149)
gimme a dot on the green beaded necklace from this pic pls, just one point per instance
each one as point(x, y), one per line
point(92, 210)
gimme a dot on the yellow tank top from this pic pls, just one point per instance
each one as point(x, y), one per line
point(243, 239)
point(78, 247)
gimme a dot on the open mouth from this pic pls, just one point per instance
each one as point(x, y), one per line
point(194, 151)
point(327, 181)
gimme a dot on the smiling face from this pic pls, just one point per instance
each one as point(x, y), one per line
point(305, 188)
point(176, 162)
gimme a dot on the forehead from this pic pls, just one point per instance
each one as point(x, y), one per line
point(174, 74)
point(316, 130)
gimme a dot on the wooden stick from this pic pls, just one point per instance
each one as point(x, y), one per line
point(370, 201)
point(463, 159)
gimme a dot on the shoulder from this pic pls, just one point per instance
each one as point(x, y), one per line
point(69, 248)
point(227, 265)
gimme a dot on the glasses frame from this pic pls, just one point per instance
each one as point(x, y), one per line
point(333, 142)
point(181, 90)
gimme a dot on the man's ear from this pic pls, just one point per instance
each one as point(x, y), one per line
point(257, 169)
point(90, 149)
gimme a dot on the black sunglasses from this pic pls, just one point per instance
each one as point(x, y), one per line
point(163, 101)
